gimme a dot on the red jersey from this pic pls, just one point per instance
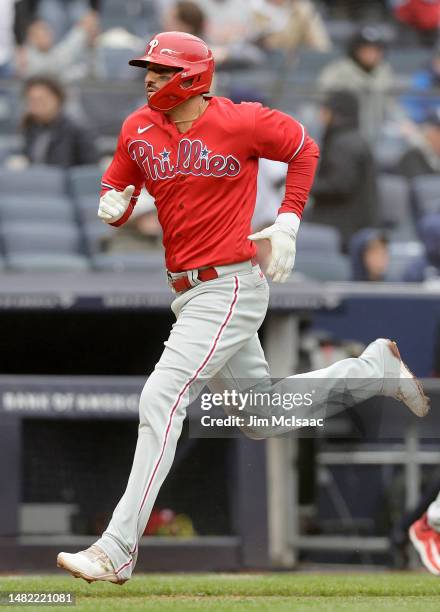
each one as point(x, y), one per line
point(204, 181)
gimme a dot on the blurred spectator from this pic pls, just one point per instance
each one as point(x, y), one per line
point(50, 136)
point(185, 16)
point(369, 255)
point(425, 81)
point(345, 189)
point(365, 72)
point(63, 14)
point(6, 38)
point(230, 45)
point(142, 232)
point(69, 59)
point(285, 25)
point(427, 266)
point(423, 16)
point(423, 157)
point(228, 21)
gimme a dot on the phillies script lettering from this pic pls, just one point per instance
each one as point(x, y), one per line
point(193, 157)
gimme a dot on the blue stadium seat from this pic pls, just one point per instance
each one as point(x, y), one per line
point(388, 152)
point(41, 180)
point(112, 63)
point(401, 255)
point(310, 63)
point(407, 60)
point(10, 107)
point(48, 262)
point(87, 207)
point(107, 116)
point(323, 266)
point(19, 208)
point(37, 237)
point(85, 181)
point(146, 261)
point(395, 211)
point(426, 192)
point(138, 17)
point(318, 238)
point(95, 233)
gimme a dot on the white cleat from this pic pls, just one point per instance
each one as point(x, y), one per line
point(91, 564)
point(410, 390)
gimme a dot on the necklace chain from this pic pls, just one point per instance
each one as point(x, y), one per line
point(201, 109)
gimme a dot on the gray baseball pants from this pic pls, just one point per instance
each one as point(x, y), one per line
point(215, 336)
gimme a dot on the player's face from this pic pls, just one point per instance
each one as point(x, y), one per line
point(156, 77)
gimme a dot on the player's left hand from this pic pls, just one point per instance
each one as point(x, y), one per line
point(283, 242)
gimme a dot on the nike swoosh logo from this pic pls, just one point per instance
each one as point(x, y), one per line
point(142, 130)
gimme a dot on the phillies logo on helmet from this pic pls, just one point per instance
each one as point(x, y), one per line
point(193, 157)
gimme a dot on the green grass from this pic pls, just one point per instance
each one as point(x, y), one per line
point(411, 592)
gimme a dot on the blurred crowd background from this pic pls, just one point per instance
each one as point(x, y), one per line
point(362, 76)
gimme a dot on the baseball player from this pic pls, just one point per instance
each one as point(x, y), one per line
point(198, 157)
point(425, 537)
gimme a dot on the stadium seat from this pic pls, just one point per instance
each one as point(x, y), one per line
point(95, 233)
point(10, 107)
point(408, 60)
point(20, 237)
point(388, 152)
point(47, 262)
point(112, 63)
point(318, 238)
point(322, 266)
point(401, 255)
point(310, 63)
point(87, 207)
point(41, 180)
point(19, 208)
point(105, 116)
point(135, 16)
point(151, 262)
point(426, 193)
point(340, 31)
point(85, 181)
point(395, 206)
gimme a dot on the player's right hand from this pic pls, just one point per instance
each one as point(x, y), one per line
point(113, 204)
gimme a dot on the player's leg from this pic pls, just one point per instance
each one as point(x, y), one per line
point(377, 371)
point(425, 536)
point(213, 322)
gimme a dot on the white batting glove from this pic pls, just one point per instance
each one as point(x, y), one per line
point(113, 204)
point(282, 238)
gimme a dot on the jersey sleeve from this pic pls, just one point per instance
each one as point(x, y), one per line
point(121, 172)
point(276, 135)
point(280, 137)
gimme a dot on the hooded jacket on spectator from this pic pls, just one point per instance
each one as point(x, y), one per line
point(358, 245)
point(345, 188)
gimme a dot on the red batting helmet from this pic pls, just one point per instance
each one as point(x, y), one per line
point(186, 52)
